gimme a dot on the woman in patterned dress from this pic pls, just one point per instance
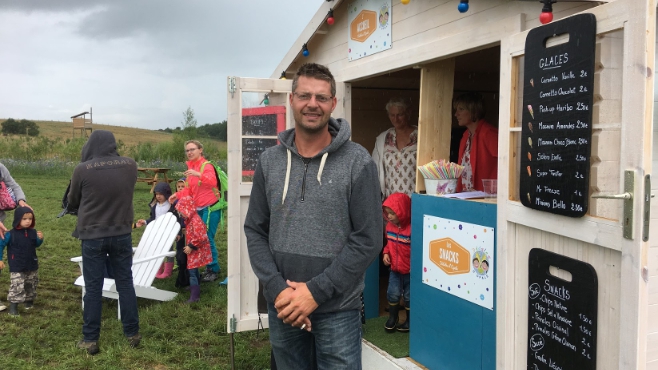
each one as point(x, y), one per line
point(395, 151)
point(478, 149)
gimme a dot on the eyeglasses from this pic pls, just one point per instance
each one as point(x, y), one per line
point(320, 98)
point(190, 150)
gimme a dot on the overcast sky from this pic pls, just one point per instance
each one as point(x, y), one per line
point(138, 63)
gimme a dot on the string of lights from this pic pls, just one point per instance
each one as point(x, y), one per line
point(545, 17)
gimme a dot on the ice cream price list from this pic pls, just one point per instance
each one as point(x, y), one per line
point(561, 313)
point(556, 133)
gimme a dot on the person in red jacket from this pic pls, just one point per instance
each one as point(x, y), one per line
point(200, 187)
point(397, 254)
point(478, 149)
point(197, 244)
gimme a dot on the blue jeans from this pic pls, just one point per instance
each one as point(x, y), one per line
point(118, 249)
point(194, 276)
point(333, 343)
point(211, 219)
point(398, 284)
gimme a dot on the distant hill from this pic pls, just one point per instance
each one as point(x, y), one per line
point(130, 136)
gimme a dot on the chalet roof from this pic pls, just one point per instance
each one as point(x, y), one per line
point(317, 25)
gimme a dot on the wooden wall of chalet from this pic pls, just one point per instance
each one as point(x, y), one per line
point(432, 34)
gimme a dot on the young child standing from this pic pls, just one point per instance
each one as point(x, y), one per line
point(22, 242)
point(197, 244)
point(397, 254)
point(159, 206)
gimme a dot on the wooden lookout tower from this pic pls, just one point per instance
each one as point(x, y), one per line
point(82, 123)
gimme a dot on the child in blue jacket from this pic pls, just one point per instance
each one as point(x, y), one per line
point(21, 243)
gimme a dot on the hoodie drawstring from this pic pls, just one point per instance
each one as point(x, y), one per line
point(289, 165)
point(322, 162)
point(285, 185)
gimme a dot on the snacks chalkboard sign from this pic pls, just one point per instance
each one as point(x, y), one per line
point(556, 132)
point(561, 314)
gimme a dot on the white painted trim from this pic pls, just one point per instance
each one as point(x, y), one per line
point(374, 358)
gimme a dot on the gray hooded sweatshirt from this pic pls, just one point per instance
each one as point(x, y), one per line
point(102, 189)
point(318, 223)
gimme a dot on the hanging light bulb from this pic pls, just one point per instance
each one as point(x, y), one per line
point(330, 17)
point(305, 51)
point(405, 2)
point(546, 15)
point(463, 6)
point(283, 75)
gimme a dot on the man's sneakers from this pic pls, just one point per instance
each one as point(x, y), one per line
point(29, 305)
point(209, 276)
point(91, 347)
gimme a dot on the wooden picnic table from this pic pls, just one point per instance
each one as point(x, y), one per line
point(151, 175)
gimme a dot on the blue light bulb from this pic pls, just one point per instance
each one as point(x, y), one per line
point(305, 53)
point(462, 7)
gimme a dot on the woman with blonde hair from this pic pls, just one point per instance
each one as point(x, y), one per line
point(200, 187)
point(478, 149)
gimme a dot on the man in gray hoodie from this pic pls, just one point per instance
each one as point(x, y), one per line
point(313, 227)
point(102, 190)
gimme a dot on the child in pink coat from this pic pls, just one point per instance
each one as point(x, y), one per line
point(197, 244)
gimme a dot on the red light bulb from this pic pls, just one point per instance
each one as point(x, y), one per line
point(330, 21)
point(546, 17)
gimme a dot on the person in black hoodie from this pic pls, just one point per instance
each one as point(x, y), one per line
point(102, 190)
point(22, 242)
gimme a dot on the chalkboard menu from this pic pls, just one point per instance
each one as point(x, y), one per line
point(556, 132)
point(251, 149)
point(262, 125)
point(561, 314)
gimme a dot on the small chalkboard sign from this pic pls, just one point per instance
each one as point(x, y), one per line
point(561, 314)
point(251, 150)
point(556, 132)
point(259, 125)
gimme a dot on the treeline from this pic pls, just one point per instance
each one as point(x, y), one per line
point(22, 127)
point(215, 131)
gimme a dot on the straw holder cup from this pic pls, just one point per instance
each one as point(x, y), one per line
point(440, 186)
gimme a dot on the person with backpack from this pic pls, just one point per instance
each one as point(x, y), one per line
point(202, 179)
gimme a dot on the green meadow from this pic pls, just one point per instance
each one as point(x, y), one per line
point(175, 335)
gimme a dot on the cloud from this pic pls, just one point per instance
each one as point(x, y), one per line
point(136, 62)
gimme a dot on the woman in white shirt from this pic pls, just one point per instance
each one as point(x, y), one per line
point(395, 151)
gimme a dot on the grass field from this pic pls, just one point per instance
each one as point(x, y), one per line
point(176, 335)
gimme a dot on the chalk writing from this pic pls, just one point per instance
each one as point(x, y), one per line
point(561, 316)
point(556, 122)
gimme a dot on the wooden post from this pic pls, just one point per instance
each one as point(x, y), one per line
point(437, 81)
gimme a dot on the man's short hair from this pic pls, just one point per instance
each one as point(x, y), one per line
point(398, 102)
point(472, 102)
point(317, 71)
